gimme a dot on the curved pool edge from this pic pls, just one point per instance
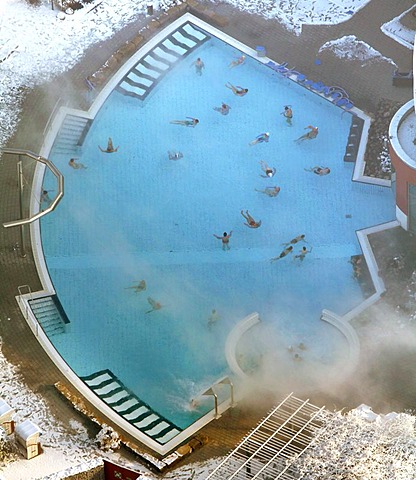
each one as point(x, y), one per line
point(341, 322)
point(232, 340)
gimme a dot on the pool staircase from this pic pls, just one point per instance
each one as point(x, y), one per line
point(354, 139)
point(111, 391)
point(145, 75)
point(50, 315)
point(71, 134)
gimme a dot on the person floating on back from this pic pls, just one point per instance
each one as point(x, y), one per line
point(75, 165)
point(270, 191)
point(224, 109)
point(110, 148)
point(225, 240)
point(237, 90)
point(283, 254)
point(313, 133)
point(263, 137)
point(269, 171)
point(299, 238)
point(250, 220)
point(237, 61)
point(321, 171)
point(174, 155)
point(199, 66)
point(191, 122)
point(288, 114)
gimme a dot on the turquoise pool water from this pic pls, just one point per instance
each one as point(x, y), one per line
point(135, 215)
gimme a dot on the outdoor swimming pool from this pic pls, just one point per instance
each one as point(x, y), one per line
point(136, 215)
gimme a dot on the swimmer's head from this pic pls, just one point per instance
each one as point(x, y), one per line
point(269, 173)
point(196, 120)
point(267, 134)
point(286, 107)
point(224, 234)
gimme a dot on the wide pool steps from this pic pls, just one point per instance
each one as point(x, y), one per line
point(50, 315)
point(122, 400)
point(71, 134)
point(150, 69)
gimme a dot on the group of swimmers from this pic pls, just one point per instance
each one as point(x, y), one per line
point(140, 287)
point(289, 249)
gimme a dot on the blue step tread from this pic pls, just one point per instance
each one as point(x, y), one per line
point(156, 63)
point(122, 400)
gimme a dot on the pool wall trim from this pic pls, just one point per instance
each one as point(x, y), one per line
point(52, 130)
point(232, 341)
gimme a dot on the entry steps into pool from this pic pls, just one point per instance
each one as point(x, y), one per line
point(143, 77)
point(71, 134)
point(109, 389)
point(50, 314)
point(354, 139)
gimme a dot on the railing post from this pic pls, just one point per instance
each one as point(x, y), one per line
point(210, 391)
point(21, 188)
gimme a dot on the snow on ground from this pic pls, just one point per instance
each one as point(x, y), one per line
point(35, 45)
point(66, 447)
point(350, 48)
point(295, 13)
point(396, 30)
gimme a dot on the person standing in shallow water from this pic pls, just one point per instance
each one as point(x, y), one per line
point(288, 114)
point(199, 66)
point(225, 240)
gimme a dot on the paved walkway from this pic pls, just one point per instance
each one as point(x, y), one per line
point(366, 85)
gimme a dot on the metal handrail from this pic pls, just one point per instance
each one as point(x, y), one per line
point(55, 172)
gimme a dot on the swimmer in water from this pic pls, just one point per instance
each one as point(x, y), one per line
point(263, 137)
point(313, 133)
point(191, 122)
point(237, 90)
point(224, 109)
point(269, 191)
point(199, 66)
point(225, 240)
point(174, 155)
point(251, 223)
point(213, 318)
point(288, 114)
point(285, 252)
point(269, 171)
point(75, 165)
point(302, 254)
point(110, 148)
point(237, 61)
point(45, 197)
point(321, 171)
point(139, 287)
point(299, 238)
point(155, 305)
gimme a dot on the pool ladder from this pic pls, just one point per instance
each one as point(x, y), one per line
point(211, 391)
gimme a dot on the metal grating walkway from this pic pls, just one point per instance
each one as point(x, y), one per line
point(270, 449)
